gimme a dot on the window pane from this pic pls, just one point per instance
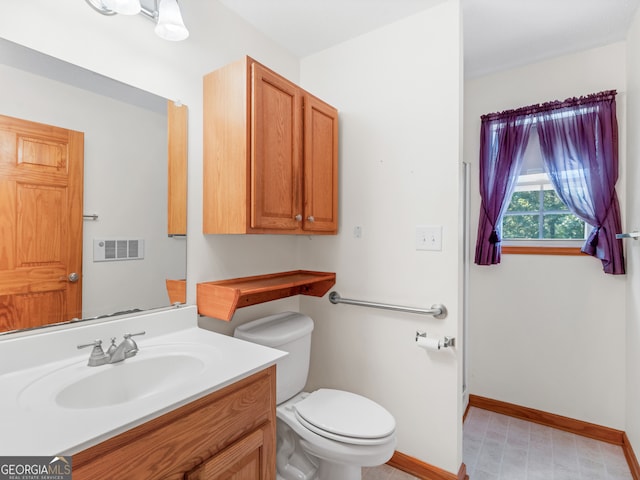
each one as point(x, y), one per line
point(520, 226)
point(563, 226)
point(525, 201)
point(536, 213)
point(553, 202)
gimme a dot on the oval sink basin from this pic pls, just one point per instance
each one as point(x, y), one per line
point(123, 382)
point(155, 371)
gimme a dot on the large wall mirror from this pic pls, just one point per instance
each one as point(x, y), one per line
point(129, 253)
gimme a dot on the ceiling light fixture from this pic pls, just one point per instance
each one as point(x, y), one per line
point(164, 13)
point(124, 7)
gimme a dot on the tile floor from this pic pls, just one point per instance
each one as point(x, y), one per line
point(385, 472)
point(497, 447)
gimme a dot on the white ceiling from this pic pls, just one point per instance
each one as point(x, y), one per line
point(498, 34)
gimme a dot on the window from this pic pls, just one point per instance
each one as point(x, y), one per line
point(578, 140)
point(536, 216)
point(536, 213)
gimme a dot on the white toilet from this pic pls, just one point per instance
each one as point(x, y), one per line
point(326, 434)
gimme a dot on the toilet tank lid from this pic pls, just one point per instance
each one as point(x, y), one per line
point(275, 330)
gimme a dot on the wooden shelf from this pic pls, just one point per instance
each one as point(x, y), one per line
point(221, 299)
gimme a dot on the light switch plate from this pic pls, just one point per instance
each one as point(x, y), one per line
point(429, 237)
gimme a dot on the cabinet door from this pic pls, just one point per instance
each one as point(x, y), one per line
point(276, 151)
point(320, 166)
point(244, 460)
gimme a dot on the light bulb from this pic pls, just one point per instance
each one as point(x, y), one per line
point(170, 25)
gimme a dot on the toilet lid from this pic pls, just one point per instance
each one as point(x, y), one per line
point(345, 416)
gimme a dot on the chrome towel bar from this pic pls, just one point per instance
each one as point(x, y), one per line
point(438, 311)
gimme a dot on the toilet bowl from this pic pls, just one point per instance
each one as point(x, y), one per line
point(334, 435)
point(327, 434)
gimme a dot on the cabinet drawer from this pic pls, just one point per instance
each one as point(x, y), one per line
point(241, 461)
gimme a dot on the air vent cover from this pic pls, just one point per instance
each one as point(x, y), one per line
point(112, 250)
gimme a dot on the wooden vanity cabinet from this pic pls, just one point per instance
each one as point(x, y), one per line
point(229, 434)
point(270, 154)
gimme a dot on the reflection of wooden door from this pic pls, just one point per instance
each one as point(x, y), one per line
point(41, 177)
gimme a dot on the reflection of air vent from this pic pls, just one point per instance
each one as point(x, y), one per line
point(118, 249)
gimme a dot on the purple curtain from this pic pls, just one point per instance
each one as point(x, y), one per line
point(579, 146)
point(503, 139)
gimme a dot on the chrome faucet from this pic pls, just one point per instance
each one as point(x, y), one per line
point(127, 349)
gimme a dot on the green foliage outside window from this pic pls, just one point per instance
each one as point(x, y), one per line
point(540, 214)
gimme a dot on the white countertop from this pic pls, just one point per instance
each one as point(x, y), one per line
point(36, 425)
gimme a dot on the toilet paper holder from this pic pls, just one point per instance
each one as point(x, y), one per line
point(446, 341)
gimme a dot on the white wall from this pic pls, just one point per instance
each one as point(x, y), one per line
point(398, 89)
point(125, 183)
point(632, 247)
point(548, 332)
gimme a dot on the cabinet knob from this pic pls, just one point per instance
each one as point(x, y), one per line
point(311, 219)
point(298, 218)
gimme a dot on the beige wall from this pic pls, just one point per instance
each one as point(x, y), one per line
point(548, 332)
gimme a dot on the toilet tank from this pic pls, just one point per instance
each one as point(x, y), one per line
point(289, 332)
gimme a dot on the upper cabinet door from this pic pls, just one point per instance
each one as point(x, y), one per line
point(276, 151)
point(320, 166)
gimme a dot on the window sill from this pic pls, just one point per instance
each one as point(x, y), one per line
point(568, 251)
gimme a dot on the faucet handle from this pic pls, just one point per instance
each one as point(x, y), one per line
point(129, 335)
point(112, 348)
point(97, 357)
point(95, 344)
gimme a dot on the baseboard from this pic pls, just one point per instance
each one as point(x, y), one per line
point(423, 470)
point(578, 427)
point(466, 412)
point(605, 434)
point(632, 460)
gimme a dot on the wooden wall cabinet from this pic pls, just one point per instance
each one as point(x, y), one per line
point(229, 434)
point(270, 155)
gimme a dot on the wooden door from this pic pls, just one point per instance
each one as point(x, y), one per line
point(276, 151)
point(41, 187)
point(320, 166)
point(244, 460)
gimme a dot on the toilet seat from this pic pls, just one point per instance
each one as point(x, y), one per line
point(345, 417)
